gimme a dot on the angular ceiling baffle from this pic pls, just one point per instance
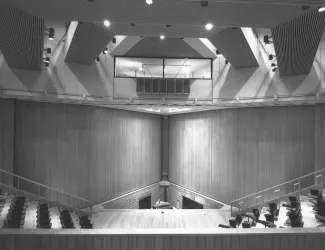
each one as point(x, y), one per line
point(21, 38)
point(233, 45)
point(88, 42)
point(169, 47)
point(296, 43)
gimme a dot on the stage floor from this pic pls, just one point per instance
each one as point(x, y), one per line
point(169, 218)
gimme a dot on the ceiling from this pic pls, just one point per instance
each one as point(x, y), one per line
point(186, 17)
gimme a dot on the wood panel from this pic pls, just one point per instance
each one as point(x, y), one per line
point(6, 138)
point(231, 153)
point(169, 239)
point(95, 153)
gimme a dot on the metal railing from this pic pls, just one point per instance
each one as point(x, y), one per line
point(298, 186)
point(18, 183)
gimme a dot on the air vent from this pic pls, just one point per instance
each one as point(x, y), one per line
point(163, 86)
point(170, 86)
point(147, 85)
point(155, 86)
point(140, 85)
point(186, 86)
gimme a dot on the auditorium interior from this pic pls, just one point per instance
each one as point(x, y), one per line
point(162, 125)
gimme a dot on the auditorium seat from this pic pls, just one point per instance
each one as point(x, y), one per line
point(66, 220)
point(16, 213)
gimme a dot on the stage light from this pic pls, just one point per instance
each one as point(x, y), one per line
point(162, 37)
point(47, 64)
point(209, 26)
point(105, 51)
point(218, 52)
point(271, 57)
point(321, 9)
point(114, 40)
point(267, 40)
point(274, 69)
point(48, 51)
point(47, 59)
point(226, 62)
point(107, 23)
point(50, 33)
point(149, 2)
point(98, 59)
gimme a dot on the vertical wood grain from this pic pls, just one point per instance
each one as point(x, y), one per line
point(91, 152)
point(228, 154)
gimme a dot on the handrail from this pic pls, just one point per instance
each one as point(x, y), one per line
point(284, 183)
point(48, 187)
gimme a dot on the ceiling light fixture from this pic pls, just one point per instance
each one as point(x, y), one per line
point(162, 37)
point(149, 2)
point(105, 51)
point(321, 9)
point(107, 23)
point(208, 26)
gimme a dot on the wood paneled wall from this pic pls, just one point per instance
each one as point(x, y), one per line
point(91, 152)
point(6, 138)
point(164, 239)
point(228, 154)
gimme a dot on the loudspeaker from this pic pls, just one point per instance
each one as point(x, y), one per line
point(140, 85)
point(186, 89)
point(170, 86)
point(155, 86)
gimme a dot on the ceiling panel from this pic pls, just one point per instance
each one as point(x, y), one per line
point(226, 13)
point(169, 47)
point(88, 42)
point(234, 47)
point(296, 43)
point(21, 38)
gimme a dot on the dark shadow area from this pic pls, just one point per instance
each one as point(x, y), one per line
point(145, 203)
point(190, 204)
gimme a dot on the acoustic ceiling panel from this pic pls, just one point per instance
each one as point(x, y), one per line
point(21, 38)
point(233, 45)
point(296, 43)
point(88, 42)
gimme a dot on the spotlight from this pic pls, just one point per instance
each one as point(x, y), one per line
point(47, 59)
point(271, 57)
point(50, 33)
point(107, 23)
point(208, 26)
point(105, 51)
point(226, 62)
point(321, 9)
point(274, 69)
point(273, 65)
point(149, 2)
point(114, 40)
point(267, 39)
point(48, 51)
point(97, 59)
point(47, 64)
point(162, 37)
point(218, 52)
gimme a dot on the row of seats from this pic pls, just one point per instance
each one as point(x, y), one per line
point(85, 222)
point(66, 220)
point(43, 216)
point(16, 214)
point(294, 212)
point(2, 200)
point(317, 199)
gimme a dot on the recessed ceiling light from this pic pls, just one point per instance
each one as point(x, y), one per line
point(162, 37)
point(209, 26)
point(321, 9)
point(149, 2)
point(107, 23)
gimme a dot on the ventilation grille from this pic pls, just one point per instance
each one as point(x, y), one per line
point(21, 38)
point(234, 47)
point(88, 42)
point(163, 86)
point(296, 43)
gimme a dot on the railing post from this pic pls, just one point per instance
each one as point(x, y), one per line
point(230, 209)
point(18, 183)
point(91, 210)
point(38, 190)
